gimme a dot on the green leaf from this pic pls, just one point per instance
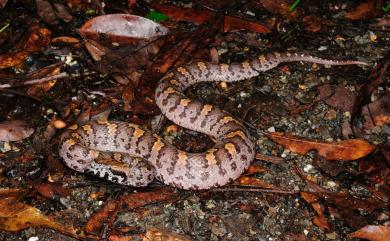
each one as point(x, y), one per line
point(386, 8)
point(157, 16)
point(294, 5)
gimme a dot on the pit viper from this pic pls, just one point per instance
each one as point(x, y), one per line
point(129, 154)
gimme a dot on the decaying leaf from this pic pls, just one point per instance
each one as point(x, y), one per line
point(373, 233)
point(36, 41)
point(202, 16)
point(106, 215)
point(122, 28)
point(16, 216)
point(252, 181)
point(347, 150)
point(154, 234)
point(337, 96)
point(281, 7)
point(320, 219)
point(377, 113)
point(46, 11)
point(14, 130)
point(366, 10)
point(3, 3)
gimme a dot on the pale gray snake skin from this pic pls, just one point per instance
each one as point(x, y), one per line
point(128, 154)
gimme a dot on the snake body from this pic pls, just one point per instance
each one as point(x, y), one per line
point(128, 154)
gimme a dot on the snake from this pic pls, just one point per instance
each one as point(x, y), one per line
point(129, 154)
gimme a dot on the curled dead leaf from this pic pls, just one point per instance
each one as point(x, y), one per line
point(347, 150)
point(16, 216)
point(366, 10)
point(36, 41)
point(14, 130)
point(373, 233)
point(122, 28)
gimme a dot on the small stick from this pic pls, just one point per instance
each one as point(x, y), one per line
point(237, 189)
point(35, 81)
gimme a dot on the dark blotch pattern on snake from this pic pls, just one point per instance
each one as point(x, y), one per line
point(128, 154)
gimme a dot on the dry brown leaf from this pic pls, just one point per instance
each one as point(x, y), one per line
point(373, 233)
point(202, 16)
point(36, 41)
point(255, 169)
point(337, 96)
point(105, 216)
point(51, 190)
point(41, 88)
point(62, 12)
point(3, 3)
point(16, 216)
point(46, 11)
point(154, 234)
point(281, 7)
point(377, 113)
point(366, 10)
point(14, 130)
point(252, 181)
point(319, 220)
point(347, 150)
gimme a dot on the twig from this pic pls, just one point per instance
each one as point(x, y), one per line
point(238, 189)
point(35, 81)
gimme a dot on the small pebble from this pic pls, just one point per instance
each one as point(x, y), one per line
point(223, 85)
point(59, 124)
point(308, 168)
point(33, 239)
point(322, 48)
point(331, 184)
point(271, 129)
point(330, 115)
point(331, 236)
point(210, 204)
point(250, 13)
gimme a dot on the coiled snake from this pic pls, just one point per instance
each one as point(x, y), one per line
point(128, 154)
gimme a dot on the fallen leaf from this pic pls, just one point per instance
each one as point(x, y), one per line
point(377, 113)
point(51, 190)
point(368, 9)
point(3, 3)
point(329, 167)
point(235, 23)
point(16, 216)
point(46, 11)
point(319, 220)
point(252, 181)
point(202, 16)
point(62, 12)
point(281, 7)
point(36, 41)
point(106, 215)
point(373, 233)
point(122, 28)
point(14, 130)
point(376, 78)
point(347, 150)
point(154, 234)
point(272, 159)
point(255, 169)
point(337, 96)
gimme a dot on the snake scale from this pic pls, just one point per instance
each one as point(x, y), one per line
point(129, 154)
